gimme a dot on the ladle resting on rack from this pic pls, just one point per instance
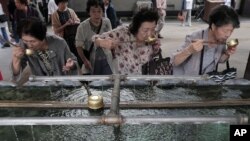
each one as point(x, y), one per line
point(27, 51)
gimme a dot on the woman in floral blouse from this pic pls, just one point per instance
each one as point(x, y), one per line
point(129, 43)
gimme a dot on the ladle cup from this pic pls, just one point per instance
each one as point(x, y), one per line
point(232, 43)
point(27, 51)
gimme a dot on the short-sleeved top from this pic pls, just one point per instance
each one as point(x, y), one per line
point(211, 57)
point(129, 56)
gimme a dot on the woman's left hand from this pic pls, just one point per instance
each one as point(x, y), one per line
point(231, 50)
point(69, 64)
point(156, 46)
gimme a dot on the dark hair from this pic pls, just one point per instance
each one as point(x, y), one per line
point(94, 3)
point(58, 1)
point(25, 2)
point(144, 15)
point(33, 27)
point(223, 15)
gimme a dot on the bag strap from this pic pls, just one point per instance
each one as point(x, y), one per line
point(201, 60)
point(202, 54)
point(92, 44)
point(227, 64)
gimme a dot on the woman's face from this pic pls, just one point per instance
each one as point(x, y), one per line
point(221, 34)
point(95, 14)
point(32, 42)
point(147, 29)
point(62, 6)
point(106, 2)
point(19, 5)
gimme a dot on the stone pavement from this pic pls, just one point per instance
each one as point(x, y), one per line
point(174, 35)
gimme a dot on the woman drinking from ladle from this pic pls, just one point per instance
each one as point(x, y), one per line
point(204, 49)
point(50, 55)
point(132, 45)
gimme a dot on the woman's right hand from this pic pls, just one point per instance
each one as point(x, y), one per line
point(196, 46)
point(69, 22)
point(107, 43)
point(18, 52)
point(88, 65)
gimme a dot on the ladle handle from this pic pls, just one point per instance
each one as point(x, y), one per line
point(3, 40)
point(207, 42)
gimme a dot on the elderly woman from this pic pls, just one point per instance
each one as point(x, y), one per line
point(197, 57)
point(64, 23)
point(96, 60)
point(63, 17)
point(128, 43)
point(51, 55)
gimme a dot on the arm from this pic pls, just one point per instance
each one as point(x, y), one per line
point(227, 53)
point(107, 40)
point(70, 60)
point(18, 63)
point(76, 20)
point(187, 50)
point(80, 37)
point(56, 24)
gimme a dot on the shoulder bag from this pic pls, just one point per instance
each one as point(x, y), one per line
point(158, 66)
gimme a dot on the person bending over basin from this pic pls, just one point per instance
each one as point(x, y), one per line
point(50, 53)
point(204, 49)
point(129, 44)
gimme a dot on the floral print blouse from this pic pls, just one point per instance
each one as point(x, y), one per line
point(128, 55)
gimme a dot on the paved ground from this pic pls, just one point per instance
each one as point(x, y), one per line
point(174, 35)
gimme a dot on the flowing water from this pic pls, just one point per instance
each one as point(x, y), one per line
point(127, 132)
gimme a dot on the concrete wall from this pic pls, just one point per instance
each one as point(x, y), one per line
point(127, 7)
point(121, 5)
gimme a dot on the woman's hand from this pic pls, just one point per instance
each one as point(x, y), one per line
point(231, 50)
point(18, 53)
point(107, 43)
point(156, 46)
point(69, 64)
point(88, 65)
point(69, 22)
point(196, 46)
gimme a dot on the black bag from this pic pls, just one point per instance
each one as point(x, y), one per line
point(158, 66)
point(228, 73)
point(3, 18)
point(70, 30)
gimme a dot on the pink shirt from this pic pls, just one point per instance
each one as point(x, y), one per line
point(130, 57)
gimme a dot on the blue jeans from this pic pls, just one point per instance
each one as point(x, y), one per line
point(4, 35)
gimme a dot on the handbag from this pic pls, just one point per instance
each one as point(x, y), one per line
point(3, 18)
point(158, 66)
point(70, 30)
point(228, 73)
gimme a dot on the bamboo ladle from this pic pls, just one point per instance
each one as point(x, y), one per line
point(230, 43)
point(149, 40)
point(27, 51)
